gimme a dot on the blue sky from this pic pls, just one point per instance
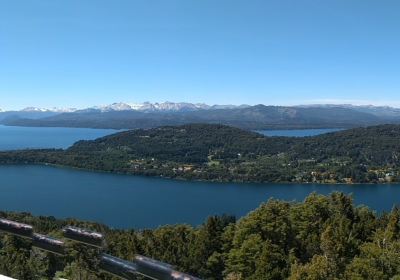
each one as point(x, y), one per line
point(80, 53)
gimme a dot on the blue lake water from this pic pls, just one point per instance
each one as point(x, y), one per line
point(298, 132)
point(124, 201)
point(15, 137)
point(138, 202)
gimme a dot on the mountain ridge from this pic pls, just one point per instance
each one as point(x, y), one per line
point(178, 106)
point(127, 106)
point(256, 117)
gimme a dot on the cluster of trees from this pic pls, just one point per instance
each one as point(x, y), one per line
point(186, 144)
point(223, 153)
point(322, 238)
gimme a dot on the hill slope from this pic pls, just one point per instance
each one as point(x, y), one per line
point(193, 143)
point(223, 153)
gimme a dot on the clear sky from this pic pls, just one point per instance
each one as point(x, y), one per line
point(80, 53)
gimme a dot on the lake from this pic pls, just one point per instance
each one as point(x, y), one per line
point(16, 137)
point(124, 201)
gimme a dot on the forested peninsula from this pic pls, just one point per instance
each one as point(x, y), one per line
point(222, 153)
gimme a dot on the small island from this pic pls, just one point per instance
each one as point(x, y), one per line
point(215, 152)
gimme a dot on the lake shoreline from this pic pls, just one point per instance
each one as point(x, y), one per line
point(196, 180)
point(139, 156)
point(126, 201)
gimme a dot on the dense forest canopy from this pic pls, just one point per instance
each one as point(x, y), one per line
point(223, 153)
point(322, 238)
point(187, 143)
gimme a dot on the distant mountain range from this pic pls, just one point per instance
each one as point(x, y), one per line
point(148, 115)
point(32, 113)
point(142, 107)
point(161, 107)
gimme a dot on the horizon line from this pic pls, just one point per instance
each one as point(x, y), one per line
point(395, 105)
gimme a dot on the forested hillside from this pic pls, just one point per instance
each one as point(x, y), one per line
point(187, 144)
point(325, 237)
point(223, 153)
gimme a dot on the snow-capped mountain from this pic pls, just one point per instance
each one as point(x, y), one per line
point(146, 115)
point(153, 107)
point(175, 107)
point(54, 110)
point(146, 107)
point(34, 109)
point(63, 110)
point(223, 107)
point(112, 107)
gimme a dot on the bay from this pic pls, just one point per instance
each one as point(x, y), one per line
point(124, 201)
point(18, 137)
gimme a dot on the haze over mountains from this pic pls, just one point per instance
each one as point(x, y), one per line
point(143, 107)
point(148, 115)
